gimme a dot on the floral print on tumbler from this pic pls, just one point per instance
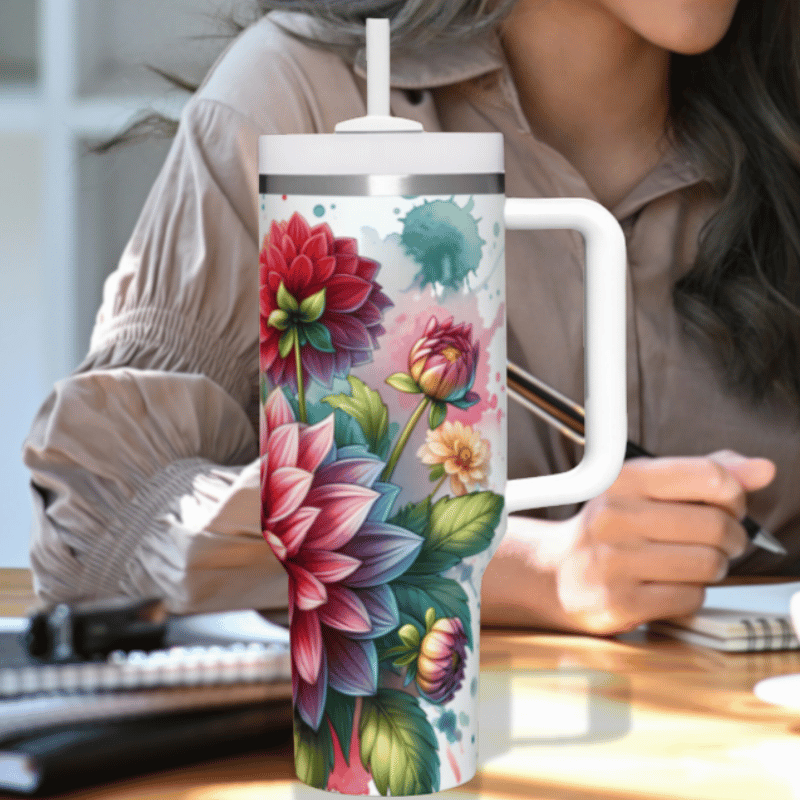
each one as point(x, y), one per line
point(382, 358)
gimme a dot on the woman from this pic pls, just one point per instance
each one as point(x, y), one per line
point(679, 117)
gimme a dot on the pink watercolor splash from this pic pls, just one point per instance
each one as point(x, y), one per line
point(480, 416)
point(349, 778)
point(454, 765)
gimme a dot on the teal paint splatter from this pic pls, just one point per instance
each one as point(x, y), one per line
point(443, 239)
point(463, 718)
point(447, 725)
point(496, 229)
point(473, 687)
point(319, 210)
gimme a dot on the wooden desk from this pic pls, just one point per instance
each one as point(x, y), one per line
point(665, 720)
point(16, 592)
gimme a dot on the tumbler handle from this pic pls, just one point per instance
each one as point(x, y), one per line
point(604, 347)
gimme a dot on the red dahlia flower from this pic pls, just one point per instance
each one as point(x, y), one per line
point(323, 515)
point(305, 261)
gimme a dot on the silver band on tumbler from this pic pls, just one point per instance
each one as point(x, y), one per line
point(387, 185)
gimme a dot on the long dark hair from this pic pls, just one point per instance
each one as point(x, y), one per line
point(736, 112)
point(415, 24)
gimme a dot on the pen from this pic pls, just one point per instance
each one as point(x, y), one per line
point(568, 417)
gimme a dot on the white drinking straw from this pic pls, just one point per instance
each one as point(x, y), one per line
point(378, 118)
point(378, 67)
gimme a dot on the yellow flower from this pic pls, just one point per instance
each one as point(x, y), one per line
point(462, 453)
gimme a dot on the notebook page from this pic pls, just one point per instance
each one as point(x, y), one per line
point(765, 598)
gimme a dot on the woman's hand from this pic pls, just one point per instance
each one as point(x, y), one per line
point(644, 549)
point(648, 546)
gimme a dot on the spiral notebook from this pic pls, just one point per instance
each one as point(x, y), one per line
point(210, 661)
point(739, 619)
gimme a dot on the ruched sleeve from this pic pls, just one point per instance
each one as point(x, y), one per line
point(144, 462)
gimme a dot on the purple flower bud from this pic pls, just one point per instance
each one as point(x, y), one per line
point(442, 656)
point(443, 362)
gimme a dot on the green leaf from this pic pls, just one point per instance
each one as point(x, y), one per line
point(406, 659)
point(394, 651)
point(312, 307)
point(417, 593)
point(340, 709)
point(390, 646)
point(319, 337)
point(278, 319)
point(430, 618)
point(463, 526)
point(453, 528)
point(367, 408)
point(286, 343)
point(432, 562)
point(414, 517)
point(437, 414)
point(346, 430)
point(437, 470)
point(403, 383)
point(409, 635)
point(285, 300)
point(313, 753)
point(398, 745)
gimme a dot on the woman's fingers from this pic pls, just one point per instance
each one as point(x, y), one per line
point(662, 562)
point(720, 479)
point(632, 522)
point(752, 473)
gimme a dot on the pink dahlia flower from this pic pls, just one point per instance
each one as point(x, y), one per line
point(442, 655)
point(323, 515)
point(306, 260)
point(443, 362)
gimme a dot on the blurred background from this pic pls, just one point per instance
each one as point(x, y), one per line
point(72, 74)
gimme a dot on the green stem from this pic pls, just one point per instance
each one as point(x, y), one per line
point(438, 486)
point(401, 442)
point(301, 392)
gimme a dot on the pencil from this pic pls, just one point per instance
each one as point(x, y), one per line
point(568, 417)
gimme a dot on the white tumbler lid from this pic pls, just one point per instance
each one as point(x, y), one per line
point(418, 153)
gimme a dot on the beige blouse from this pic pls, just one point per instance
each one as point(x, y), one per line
point(144, 461)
